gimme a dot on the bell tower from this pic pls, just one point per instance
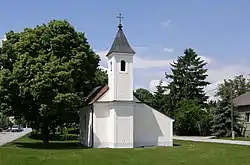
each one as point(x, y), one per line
point(120, 67)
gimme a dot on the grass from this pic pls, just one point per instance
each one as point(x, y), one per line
point(25, 151)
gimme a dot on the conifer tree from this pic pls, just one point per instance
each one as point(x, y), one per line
point(188, 79)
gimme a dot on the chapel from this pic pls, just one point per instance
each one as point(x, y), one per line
point(114, 117)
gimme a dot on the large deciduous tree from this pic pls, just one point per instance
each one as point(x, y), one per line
point(46, 72)
point(144, 96)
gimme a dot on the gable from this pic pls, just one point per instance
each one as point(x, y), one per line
point(96, 93)
point(104, 97)
point(101, 94)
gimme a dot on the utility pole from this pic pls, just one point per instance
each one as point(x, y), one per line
point(232, 113)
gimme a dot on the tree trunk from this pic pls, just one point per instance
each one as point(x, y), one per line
point(45, 135)
point(52, 128)
point(61, 127)
point(54, 131)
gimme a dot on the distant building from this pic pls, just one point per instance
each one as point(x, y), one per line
point(242, 104)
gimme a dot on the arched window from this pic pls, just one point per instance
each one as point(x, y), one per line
point(123, 65)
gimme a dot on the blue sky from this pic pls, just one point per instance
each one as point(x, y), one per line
point(158, 30)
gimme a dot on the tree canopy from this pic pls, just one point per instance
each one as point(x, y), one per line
point(46, 72)
point(144, 96)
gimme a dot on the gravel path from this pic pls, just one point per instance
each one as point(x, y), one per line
point(208, 139)
point(6, 137)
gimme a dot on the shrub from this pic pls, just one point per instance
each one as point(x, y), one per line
point(69, 137)
point(37, 136)
point(74, 131)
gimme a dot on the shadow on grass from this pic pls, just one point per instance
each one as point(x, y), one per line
point(176, 145)
point(52, 146)
point(56, 145)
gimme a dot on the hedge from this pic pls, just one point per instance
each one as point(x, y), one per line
point(37, 135)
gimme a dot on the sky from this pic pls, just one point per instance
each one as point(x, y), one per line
point(159, 31)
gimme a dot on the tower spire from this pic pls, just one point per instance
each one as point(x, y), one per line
point(120, 43)
point(120, 17)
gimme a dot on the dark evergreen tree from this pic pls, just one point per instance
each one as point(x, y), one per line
point(188, 79)
point(159, 97)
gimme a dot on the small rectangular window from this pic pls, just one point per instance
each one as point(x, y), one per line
point(248, 117)
point(110, 65)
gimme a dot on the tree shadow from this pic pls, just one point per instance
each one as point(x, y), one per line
point(176, 145)
point(50, 146)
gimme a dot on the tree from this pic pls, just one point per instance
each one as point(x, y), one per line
point(227, 91)
point(188, 79)
point(189, 118)
point(160, 102)
point(46, 72)
point(144, 96)
point(4, 122)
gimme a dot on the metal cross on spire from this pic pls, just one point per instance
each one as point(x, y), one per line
point(120, 17)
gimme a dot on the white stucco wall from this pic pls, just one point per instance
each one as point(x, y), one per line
point(111, 78)
point(124, 124)
point(151, 128)
point(113, 125)
point(120, 82)
point(103, 125)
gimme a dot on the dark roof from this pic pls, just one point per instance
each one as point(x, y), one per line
point(242, 100)
point(120, 44)
point(96, 93)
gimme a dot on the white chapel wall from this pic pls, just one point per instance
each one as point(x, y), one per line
point(151, 128)
point(124, 125)
point(111, 78)
point(103, 126)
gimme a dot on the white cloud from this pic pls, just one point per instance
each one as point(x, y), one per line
point(212, 89)
point(216, 76)
point(170, 50)
point(166, 23)
point(227, 71)
point(150, 71)
point(154, 83)
point(138, 61)
point(150, 63)
point(206, 59)
point(103, 68)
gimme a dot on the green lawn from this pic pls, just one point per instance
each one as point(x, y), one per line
point(29, 152)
